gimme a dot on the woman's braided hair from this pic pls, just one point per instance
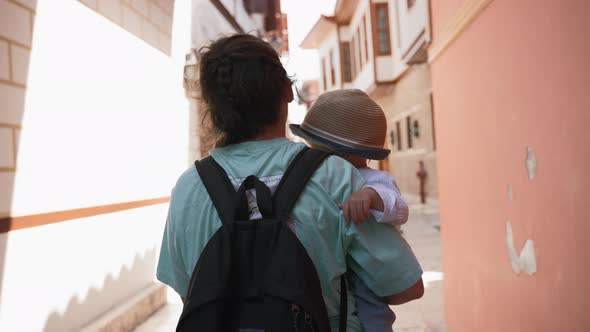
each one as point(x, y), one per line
point(242, 84)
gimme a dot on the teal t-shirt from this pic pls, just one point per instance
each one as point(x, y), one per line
point(375, 252)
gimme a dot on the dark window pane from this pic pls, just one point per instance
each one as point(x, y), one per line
point(398, 131)
point(324, 73)
point(409, 131)
point(382, 18)
point(346, 59)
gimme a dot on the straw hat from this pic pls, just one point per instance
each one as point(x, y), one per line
point(346, 121)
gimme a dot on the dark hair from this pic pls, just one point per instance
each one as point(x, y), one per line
point(242, 83)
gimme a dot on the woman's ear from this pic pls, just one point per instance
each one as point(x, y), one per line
point(289, 93)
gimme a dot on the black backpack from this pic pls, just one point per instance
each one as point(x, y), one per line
point(255, 275)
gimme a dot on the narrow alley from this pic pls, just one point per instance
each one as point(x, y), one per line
point(485, 106)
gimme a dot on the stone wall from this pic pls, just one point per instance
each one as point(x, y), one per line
point(150, 20)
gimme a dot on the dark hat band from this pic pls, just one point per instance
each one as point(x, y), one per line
point(374, 154)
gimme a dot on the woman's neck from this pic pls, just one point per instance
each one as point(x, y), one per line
point(275, 130)
point(270, 132)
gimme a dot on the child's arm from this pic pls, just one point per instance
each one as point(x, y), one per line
point(381, 197)
point(359, 204)
point(395, 209)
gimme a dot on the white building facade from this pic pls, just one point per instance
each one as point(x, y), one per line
point(379, 46)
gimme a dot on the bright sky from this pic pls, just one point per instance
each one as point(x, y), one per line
point(302, 64)
point(302, 15)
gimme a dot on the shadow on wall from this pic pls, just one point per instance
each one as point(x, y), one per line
point(76, 315)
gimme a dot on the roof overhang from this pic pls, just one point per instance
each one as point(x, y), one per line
point(319, 31)
point(345, 10)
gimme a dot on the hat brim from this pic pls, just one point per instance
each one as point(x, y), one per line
point(374, 154)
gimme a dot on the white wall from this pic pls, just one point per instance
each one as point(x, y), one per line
point(387, 67)
point(207, 24)
point(238, 11)
point(411, 22)
point(105, 122)
point(104, 112)
point(59, 277)
point(366, 77)
point(330, 42)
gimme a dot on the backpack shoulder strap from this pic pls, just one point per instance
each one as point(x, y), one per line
point(292, 184)
point(219, 187)
point(294, 180)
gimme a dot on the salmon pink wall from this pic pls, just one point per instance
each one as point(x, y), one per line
point(441, 12)
point(517, 77)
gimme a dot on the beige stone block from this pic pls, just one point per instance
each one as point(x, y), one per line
point(4, 61)
point(13, 104)
point(132, 22)
point(15, 22)
point(6, 148)
point(167, 24)
point(142, 6)
point(32, 4)
point(20, 64)
point(6, 191)
point(160, 18)
point(164, 42)
point(90, 3)
point(167, 5)
point(151, 34)
point(112, 9)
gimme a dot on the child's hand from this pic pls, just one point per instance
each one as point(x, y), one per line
point(357, 206)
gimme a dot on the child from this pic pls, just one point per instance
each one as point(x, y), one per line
point(351, 125)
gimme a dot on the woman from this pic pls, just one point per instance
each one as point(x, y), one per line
point(246, 92)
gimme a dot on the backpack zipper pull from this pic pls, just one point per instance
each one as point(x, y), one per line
point(309, 321)
point(296, 310)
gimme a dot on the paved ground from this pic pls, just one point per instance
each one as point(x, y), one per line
point(426, 314)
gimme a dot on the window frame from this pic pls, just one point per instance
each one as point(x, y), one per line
point(359, 48)
point(377, 30)
point(332, 70)
point(366, 35)
point(353, 57)
point(324, 80)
